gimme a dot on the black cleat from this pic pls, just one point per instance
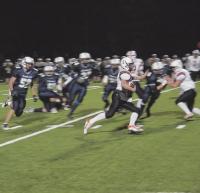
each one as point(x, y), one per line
point(70, 116)
point(148, 113)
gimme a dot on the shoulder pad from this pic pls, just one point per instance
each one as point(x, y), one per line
point(35, 69)
point(57, 74)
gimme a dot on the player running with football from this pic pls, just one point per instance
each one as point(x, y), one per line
point(120, 97)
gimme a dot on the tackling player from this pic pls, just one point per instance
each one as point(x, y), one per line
point(181, 78)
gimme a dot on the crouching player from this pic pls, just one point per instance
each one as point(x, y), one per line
point(50, 86)
point(181, 78)
point(22, 77)
point(120, 99)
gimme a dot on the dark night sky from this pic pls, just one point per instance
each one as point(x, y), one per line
point(100, 27)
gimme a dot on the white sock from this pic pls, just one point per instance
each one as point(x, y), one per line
point(196, 111)
point(99, 117)
point(139, 103)
point(133, 118)
point(184, 107)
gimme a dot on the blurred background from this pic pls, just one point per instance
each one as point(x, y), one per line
point(44, 28)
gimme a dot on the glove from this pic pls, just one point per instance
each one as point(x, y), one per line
point(35, 98)
point(164, 82)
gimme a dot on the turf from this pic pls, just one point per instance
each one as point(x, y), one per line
point(107, 160)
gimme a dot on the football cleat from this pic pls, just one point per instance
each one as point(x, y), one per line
point(70, 116)
point(5, 126)
point(135, 129)
point(188, 116)
point(87, 126)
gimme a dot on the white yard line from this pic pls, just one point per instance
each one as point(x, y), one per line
point(62, 124)
point(15, 127)
point(3, 91)
point(180, 126)
point(96, 127)
point(47, 130)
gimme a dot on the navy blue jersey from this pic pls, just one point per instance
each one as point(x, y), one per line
point(24, 79)
point(112, 74)
point(48, 83)
point(84, 72)
point(66, 69)
point(153, 80)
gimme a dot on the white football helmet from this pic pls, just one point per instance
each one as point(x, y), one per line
point(84, 55)
point(176, 64)
point(131, 54)
point(59, 60)
point(125, 63)
point(157, 66)
point(195, 52)
point(115, 61)
point(26, 61)
point(49, 70)
point(84, 58)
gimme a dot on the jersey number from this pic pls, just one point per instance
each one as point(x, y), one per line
point(25, 82)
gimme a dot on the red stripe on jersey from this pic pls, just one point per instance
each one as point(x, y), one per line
point(181, 73)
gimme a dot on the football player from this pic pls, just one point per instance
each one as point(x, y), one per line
point(193, 64)
point(181, 78)
point(22, 77)
point(120, 97)
point(154, 84)
point(79, 88)
point(137, 71)
point(110, 80)
point(49, 89)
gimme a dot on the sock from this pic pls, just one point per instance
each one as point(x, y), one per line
point(139, 103)
point(99, 117)
point(133, 118)
point(184, 107)
point(196, 111)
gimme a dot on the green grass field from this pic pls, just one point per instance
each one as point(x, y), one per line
point(107, 160)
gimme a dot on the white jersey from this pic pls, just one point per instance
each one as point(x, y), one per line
point(123, 75)
point(138, 67)
point(193, 64)
point(186, 82)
